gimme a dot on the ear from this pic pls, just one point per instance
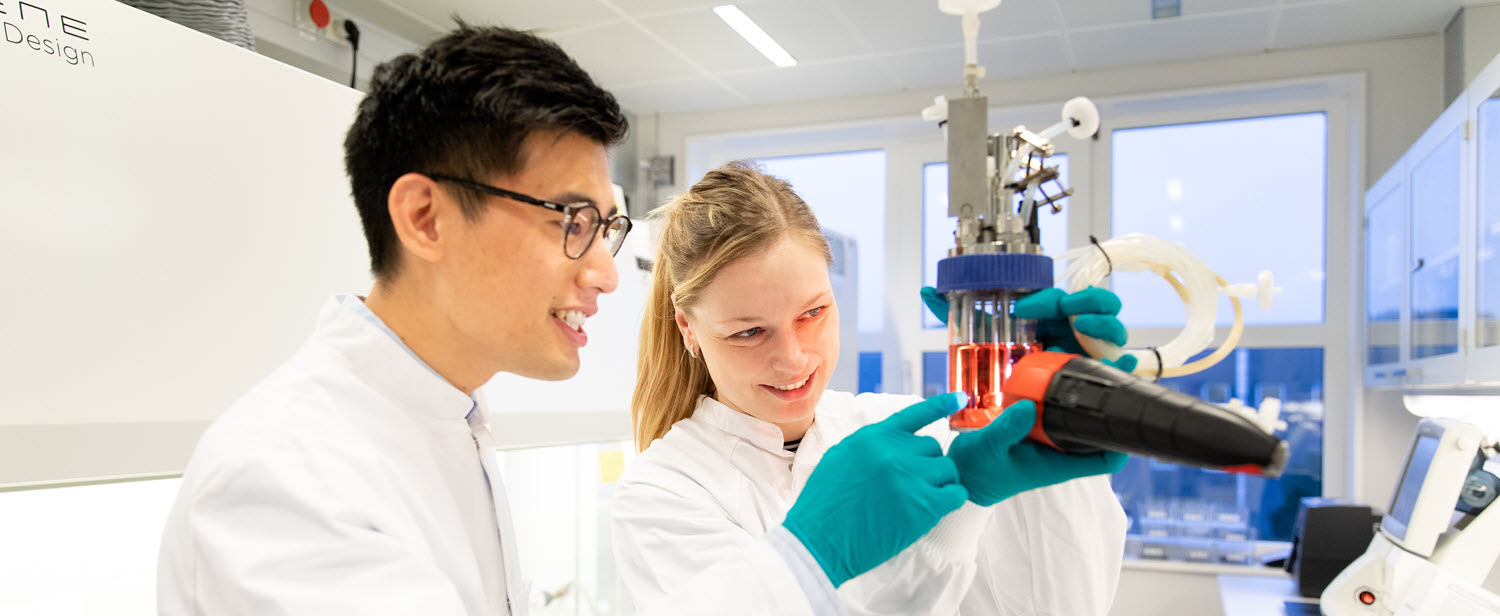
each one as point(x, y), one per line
point(415, 204)
point(689, 339)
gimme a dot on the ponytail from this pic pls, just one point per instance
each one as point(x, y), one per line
point(668, 381)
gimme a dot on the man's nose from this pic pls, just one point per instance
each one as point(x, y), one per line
point(599, 271)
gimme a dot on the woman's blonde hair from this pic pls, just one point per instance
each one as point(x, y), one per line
point(735, 211)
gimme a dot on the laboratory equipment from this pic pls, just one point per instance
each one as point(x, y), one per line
point(843, 274)
point(1327, 536)
point(1085, 405)
point(997, 257)
point(1440, 538)
point(998, 186)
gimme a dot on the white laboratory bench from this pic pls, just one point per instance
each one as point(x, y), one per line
point(1168, 588)
point(1259, 595)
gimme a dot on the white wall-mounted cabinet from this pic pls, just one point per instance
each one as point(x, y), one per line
point(1432, 232)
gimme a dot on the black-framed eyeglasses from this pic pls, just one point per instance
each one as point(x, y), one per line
point(582, 222)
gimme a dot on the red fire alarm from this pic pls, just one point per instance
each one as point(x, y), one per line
point(318, 11)
point(1366, 597)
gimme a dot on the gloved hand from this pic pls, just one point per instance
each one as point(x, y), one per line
point(1095, 308)
point(877, 491)
point(996, 462)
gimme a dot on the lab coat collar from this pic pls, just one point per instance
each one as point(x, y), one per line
point(762, 434)
point(387, 365)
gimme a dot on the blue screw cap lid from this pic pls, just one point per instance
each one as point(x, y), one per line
point(994, 271)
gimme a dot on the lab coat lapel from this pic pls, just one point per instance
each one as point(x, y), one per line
point(516, 590)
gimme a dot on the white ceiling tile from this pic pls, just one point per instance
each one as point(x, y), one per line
point(1171, 40)
point(639, 8)
point(1204, 7)
point(1023, 58)
point(1360, 20)
point(1088, 13)
point(1006, 59)
point(705, 38)
point(1018, 18)
point(808, 30)
point(924, 69)
point(1094, 13)
point(808, 81)
point(905, 24)
point(687, 95)
point(549, 15)
point(620, 53)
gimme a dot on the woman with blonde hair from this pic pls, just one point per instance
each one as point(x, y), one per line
point(739, 339)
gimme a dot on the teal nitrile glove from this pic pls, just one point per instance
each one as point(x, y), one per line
point(1095, 308)
point(877, 491)
point(996, 462)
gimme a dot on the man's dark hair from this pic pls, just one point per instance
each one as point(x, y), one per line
point(462, 107)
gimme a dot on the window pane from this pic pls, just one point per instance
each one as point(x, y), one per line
point(1489, 223)
point(1244, 195)
point(1435, 184)
point(846, 190)
point(1193, 514)
point(934, 373)
point(937, 227)
point(869, 373)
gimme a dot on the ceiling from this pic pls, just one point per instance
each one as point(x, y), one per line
point(676, 55)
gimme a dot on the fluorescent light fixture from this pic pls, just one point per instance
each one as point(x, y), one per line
point(1481, 410)
point(762, 42)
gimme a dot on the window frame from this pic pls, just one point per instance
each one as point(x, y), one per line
point(1340, 98)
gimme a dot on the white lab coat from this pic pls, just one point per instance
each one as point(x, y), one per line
point(347, 482)
point(700, 499)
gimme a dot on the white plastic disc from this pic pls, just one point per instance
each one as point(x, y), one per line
point(1082, 111)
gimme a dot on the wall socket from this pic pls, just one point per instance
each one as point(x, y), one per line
point(304, 18)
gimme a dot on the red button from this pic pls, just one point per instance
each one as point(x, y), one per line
point(1366, 597)
point(318, 11)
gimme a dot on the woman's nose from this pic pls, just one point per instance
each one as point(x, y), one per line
point(789, 355)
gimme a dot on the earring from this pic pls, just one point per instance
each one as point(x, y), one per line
point(692, 352)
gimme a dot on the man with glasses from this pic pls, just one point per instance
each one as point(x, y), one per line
point(358, 478)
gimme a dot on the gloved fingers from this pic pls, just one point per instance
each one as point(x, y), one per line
point(1074, 465)
point(1115, 461)
point(914, 417)
point(1040, 305)
point(936, 303)
point(1092, 300)
point(1066, 346)
point(939, 471)
point(950, 497)
point(1126, 362)
point(1009, 428)
point(1104, 327)
point(1054, 331)
point(922, 446)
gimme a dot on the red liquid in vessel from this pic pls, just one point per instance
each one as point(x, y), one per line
point(979, 370)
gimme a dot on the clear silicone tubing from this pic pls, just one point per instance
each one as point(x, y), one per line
point(1197, 285)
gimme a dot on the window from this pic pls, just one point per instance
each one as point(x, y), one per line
point(846, 190)
point(1242, 202)
point(934, 373)
point(1199, 515)
point(870, 372)
point(937, 226)
point(1244, 195)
